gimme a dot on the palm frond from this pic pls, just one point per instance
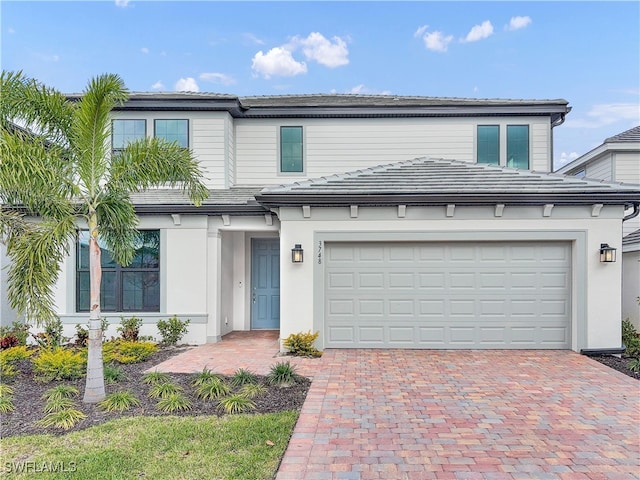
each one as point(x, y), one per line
point(153, 162)
point(27, 104)
point(37, 251)
point(117, 222)
point(34, 176)
point(91, 129)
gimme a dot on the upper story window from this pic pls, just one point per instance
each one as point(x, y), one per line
point(134, 288)
point(291, 151)
point(173, 131)
point(488, 144)
point(126, 131)
point(492, 149)
point(518, 146)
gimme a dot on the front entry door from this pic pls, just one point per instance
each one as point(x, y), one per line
point(265, 283)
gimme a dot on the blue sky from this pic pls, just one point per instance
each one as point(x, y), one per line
point(585, 52)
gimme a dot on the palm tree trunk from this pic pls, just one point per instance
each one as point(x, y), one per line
point(94, 390)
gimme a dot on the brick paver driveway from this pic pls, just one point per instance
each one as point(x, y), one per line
point(392, 414)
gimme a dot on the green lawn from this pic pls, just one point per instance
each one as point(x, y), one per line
point(242, 447)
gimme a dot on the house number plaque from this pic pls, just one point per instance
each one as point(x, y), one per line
point(319, 253)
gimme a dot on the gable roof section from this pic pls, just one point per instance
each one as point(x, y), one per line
point(628, 141)
point(425, 181)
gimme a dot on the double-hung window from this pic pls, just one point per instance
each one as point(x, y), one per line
point(126, 131)
point(488, 144)
point(291, 151)
point(134, 288)
point(173, 131)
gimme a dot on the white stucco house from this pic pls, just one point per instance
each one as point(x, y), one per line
point(379, 221)
point(618, 159)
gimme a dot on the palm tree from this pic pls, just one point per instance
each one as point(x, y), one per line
point(56, 173)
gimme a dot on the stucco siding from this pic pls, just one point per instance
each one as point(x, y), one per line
point(594, 319)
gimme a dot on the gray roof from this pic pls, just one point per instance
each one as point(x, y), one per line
point(631, 135)
point(632, 239)
point(426, 181)
point(339, 105)
point(237, 201)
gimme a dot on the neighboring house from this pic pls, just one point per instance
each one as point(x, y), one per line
point(420, 222)
point(618, 160)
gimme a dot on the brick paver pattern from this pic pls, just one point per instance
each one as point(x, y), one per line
point(442, 414)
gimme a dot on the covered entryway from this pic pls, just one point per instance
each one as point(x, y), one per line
point(447, 295)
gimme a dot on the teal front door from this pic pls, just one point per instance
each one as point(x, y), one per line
point(265, 283)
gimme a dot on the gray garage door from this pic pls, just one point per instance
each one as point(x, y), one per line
point(447, 295)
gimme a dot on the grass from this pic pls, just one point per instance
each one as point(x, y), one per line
point(229, 448)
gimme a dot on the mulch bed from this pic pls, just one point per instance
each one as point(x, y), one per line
point(620, 364)
point(27, 397)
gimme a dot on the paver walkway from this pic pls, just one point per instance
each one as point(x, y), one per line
point(423, 414)
point(255, 350)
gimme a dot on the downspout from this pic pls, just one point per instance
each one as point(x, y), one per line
point(613, 351)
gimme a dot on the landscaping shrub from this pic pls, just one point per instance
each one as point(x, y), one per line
point(52, 335)
point(630, 339)
point(112, 374)
point(64, 419)
point(6, 399)
point(59, 364)
point(283, 374)
point(155, 378)
point(14, 354)
point(301, 344)
point(173, 403)
point(243, 377)
point(125, 351)
point(173, 330)
point(82, 336)
point(14, 336)
point(236, 404)
point(130, 328)
point(60, 391)
point(162, 390)
point(214, 388)
point(205, 376)
point(119, 402)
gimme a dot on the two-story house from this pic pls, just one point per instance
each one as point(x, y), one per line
point(379, 221)
point(617, 159)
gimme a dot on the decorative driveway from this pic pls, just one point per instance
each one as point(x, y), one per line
point(422, 414)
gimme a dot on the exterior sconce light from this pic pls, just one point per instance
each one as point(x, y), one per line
point(607, 253)
point(297, 254)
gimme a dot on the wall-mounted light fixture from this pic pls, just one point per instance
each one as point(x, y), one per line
point(297, 254)
point(607, 253)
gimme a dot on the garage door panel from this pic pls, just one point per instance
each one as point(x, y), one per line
point(455, 295)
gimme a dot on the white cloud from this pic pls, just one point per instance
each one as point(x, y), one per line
point(566, 158)
point(144, 50)
point(437, 41)
point(420, 31)
point(606, 114)
point(158, 85)
point(186, 85)
point(516, 23)
point(363, 90)
point(277, 61)
point(122, 3)
point(251, 38)
point(217, 78)
point(479, 32)
point(317, 47)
